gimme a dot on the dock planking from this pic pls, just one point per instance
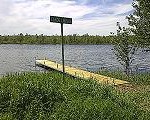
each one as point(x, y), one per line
point(76, 72)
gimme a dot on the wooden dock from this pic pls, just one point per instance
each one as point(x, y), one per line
point(76, 72)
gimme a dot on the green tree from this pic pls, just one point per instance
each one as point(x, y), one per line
point(140, 21)
point(124, 51)
point(20, 38)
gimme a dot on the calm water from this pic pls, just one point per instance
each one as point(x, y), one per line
point(18, 58)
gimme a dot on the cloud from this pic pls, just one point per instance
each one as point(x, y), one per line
point(5, 7)
point(32, 16)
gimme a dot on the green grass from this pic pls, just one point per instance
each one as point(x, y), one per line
point(45, 96)
point(139, 89)
point(140, 79)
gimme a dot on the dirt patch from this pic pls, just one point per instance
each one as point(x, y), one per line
point(132, 88)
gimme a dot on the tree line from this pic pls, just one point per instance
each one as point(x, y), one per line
point(56, 39)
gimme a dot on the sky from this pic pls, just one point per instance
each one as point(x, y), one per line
point(95, 17)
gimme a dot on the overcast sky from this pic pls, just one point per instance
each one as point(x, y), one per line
point(96, 17)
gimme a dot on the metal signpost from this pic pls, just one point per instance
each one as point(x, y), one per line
point(61, 20)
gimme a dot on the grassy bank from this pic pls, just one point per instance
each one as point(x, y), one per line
point(46, 96)
point(138, 88)
point(140, 79)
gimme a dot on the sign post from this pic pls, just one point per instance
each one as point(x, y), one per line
point(61, 20)
point(63, 57)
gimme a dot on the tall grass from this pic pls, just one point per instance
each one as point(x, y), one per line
point(46, 96)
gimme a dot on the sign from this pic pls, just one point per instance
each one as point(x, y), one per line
point(62, 20)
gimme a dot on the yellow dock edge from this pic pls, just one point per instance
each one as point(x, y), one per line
point(76, 72)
